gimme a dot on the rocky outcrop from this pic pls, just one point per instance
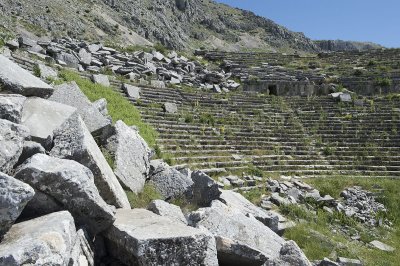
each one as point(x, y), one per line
point(169, 181)
point(229, 223)
point(14, 195)
point(42, 117)
point(131, 156)
point(140, 237)
point(167, 210)
point(339, 45)
point(70, 184)
point(47, 240)
point(73, 141)
point(11, 144)
point(70, 94)
point(11, 107)
point(18, 80)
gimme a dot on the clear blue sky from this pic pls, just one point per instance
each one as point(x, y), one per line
point(359, 20)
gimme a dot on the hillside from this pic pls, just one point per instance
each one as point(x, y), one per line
point(175, 24)
point(340, 45)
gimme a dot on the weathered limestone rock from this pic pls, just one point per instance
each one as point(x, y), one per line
point(233, 252)
point(70, 94)
point(19, 80)
point(41, 204)
point(345, 97)
point(231, 223)
point(140, 237)
point(205, 189)
point(132, 156)
point(133, 92)
point(101, 106)
point(169, 181)
point(11, 107)
point(71, 184)
point(236, 200)
point(82, 253)
point(73, 141)
point(47, 72)
point(157, 84)
point(47, 240)
point(170, 108)
point(85, 57)
point(14, 195)
point(11, 144)
point(349, 262)
point(167, 210)
point(42, 117)
point(29, 149)
point(67, 60)
point(382, 246)
point(101, 79)
point(290, 254)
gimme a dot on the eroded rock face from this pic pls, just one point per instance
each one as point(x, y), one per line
point(11, 107)
point(169, 181)
point(42, 117)
point(70, 94)
point(18, 80)
point(132, 156)
point(11, 144)
point(73, 141)
point(14, 195)
point(72, 185)
point(140, 237)
point(230, 223)
point(46, 240)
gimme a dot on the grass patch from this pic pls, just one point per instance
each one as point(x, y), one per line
point(254, 195)
point(109, 157)
point(118, 107)
point(142, 199)
point(318, 236)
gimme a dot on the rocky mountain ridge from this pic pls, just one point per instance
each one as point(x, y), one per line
point(340, 45)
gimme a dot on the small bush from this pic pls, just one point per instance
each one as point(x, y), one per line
point(36, 71)
point(383, 82)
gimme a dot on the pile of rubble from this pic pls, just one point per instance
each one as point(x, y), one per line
point(138, 66)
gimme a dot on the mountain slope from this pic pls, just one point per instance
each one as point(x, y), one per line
point(178, 24)
point(339, 45)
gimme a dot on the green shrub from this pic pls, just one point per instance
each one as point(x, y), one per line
point(36, 71)
point(383, 82)
point(118, 107)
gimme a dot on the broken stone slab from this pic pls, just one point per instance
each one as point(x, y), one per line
point(170, 108)
point(133, 92)
point(72, 140)
point(12, 44)
point(290, 254)
point(345, 97)
point(69, 60)
point(14, 195)
point(167, 210)
point(101, 79)
point(349, 262)
point(42, 117)
point(70, 94)
point(140, 237)
point(231, 223)
point(94, 47)
point(237, 201)
point(82, 253)
point(70, 184)
point(41, 204)
point(47, 240)
point(382, 246)
point(168, 181)
point(157, 84)
point(85, 57)
point(29, 149)
point(278, 200)
point(327, 262)
point(101, 106)
point(18, 80)
point(233, 252)
point(11, 107)
point(11, 144)
point(131, 156)
point(205, 189)
point(47, 72)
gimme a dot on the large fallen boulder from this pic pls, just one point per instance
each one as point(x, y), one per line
point(70, 94)
point(16, 79)
point(72, 140)
point(169, 181)
point(290, 254)
point(47, 240)
point(14, 195)
point(72, 185)
point(205, 189)
point(11, 107)
point(42, 117)
point(11, 144)
point(167, 210)
point(140, 237)
point(236, 200)
point(230, 223)
point(131, 156)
